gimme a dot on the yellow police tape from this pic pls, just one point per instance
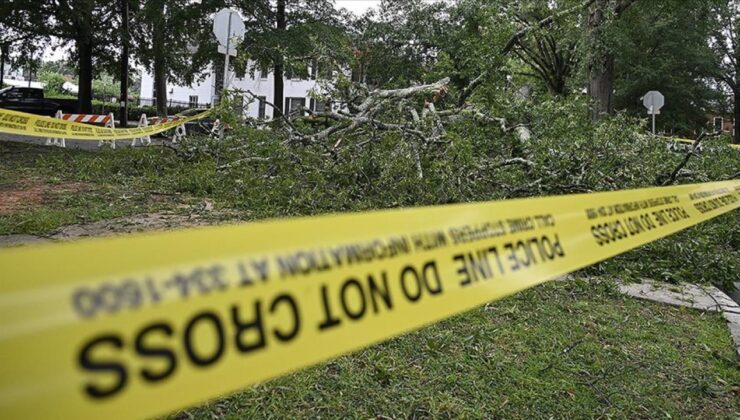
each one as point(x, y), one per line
point(15, 122)
point(689, 141)
point(141, 325)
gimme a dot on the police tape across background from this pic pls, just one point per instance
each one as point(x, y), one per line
point(14, 122)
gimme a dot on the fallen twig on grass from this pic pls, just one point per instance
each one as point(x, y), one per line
point(565, 351)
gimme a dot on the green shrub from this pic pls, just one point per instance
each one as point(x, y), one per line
point(53, 84)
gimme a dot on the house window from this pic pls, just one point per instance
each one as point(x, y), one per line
point(717, 123)
point(318, 106)
point(358, 74)
point(193, 101)
point(293, 106)
point(264, 71)
point(262, 107)
point(237, 104)
point(313, 69)
point(324, 71)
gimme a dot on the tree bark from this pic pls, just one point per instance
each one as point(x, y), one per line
point(160, 67)
point(3, 53)
point(601, 87)
point(84, 95)
point(600, 67)
point(84, 42)
point(123, 116)
point(736, 121)
point(278, 87)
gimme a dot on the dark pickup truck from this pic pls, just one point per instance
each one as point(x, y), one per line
point(32, 101)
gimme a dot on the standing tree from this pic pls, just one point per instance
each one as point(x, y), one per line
point(125, 43)
point(726, 46)
point(664, 47)
point(549, 50)
point(601, 15)
point(397, 45)
point(287, 35)
point(15, 39)
point(173, 39)
point(87, 23)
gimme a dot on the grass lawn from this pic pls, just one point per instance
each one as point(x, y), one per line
point(563, 350)
point(44, 188)
point(572, 349)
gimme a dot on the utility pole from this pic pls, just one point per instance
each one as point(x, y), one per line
point(123, 116)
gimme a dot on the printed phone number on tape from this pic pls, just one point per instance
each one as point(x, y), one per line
point(133, 292)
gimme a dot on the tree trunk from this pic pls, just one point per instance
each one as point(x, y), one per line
point(601, 87)
point(84, 42)
point(123, 117)
point(601, 65)
point(160, 85)
point(3, 53)
point(84, 95)
point(279, 65)
point(160, 67)
point(736, 121)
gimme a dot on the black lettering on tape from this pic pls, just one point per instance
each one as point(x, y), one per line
point(289, 334)
point(358, 312)
point(414, 283)
point(412, 293)
point(430, 276)
point(112, 367)
point(329, 321)
point(477, 265)
point(244, 327)
point(376, 292)
point(188, 339)
point(147, 350)
point(354, 295)
point(84, 302)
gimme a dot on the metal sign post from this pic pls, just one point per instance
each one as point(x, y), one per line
point(226, 58)
point(227, 24)
point(653, 101)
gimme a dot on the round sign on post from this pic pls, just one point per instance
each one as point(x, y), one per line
point(653, 101)
point(228, 28)
point(227, 25)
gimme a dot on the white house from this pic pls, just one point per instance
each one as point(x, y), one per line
point(13, 73)
point(296, 91)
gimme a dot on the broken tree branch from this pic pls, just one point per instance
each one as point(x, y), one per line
point(691, 152)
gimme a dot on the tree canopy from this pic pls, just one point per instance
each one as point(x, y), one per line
point(492, 52)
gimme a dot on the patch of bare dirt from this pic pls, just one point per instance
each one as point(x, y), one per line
point(33, 193)
point(121, 225)
point(129, 224)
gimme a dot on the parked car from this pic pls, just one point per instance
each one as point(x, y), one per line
point(31, 100)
